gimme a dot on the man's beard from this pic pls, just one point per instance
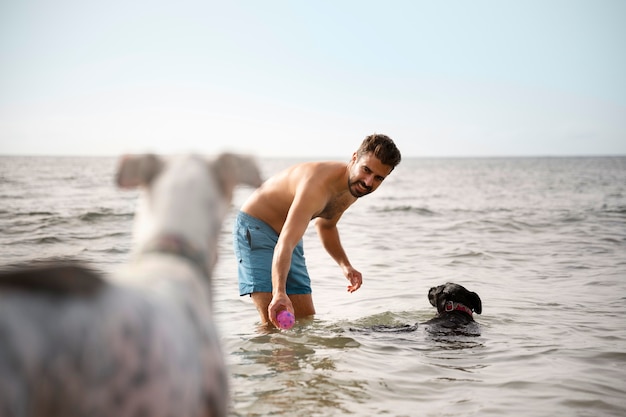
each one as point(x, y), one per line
point(356, 191)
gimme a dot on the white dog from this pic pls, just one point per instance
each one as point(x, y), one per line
point(142, 343)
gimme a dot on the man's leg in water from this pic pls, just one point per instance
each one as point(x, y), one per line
point(302, 305)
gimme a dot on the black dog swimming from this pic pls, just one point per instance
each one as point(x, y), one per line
point(455, 307)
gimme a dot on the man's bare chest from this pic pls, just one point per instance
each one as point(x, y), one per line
point(336, 205)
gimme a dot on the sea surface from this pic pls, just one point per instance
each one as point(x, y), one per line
point(541, 240)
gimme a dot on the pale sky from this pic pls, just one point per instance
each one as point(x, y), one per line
point(313, 78)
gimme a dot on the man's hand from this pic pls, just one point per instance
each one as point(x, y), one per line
point(355, 278)
point(280, 301)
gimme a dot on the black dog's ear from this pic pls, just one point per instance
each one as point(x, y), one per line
point(432, 296)
point(477, 305)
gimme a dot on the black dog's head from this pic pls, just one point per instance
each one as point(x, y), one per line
point(453, 297)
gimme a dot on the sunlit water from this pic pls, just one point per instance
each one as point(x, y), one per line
point(541, 240)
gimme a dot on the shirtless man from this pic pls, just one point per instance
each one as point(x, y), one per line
point(268, 231)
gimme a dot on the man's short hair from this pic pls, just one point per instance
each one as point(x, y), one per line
point(382, 147)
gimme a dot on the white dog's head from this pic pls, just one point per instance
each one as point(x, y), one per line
point(186, 197)
point(230, 170)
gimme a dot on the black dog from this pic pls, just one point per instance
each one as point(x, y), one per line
point(455, 307)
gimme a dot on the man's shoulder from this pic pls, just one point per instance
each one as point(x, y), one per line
point(319, 166)
point(317, 172)
point(325, 163)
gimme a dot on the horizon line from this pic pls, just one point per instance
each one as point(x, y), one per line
point(319, 157)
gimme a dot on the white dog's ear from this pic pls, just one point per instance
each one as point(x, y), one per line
point(138, 170)
point(232, 169)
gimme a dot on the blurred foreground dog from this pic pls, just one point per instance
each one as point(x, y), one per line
point(455, 307)
point(142, 343)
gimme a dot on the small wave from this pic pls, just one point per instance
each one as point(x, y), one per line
point(506, 226)
point(422, 211)
point(612, 240)
point(20, 222)
point(615, 210)
point(115, 250)
point(387, 322)
point(95, 216)
point(467, 254)
point(44, 240)
point(49, 239)
point(35, 213)
point(92, 216)
point(7, 180)
point(573, 219)
point(93, 236)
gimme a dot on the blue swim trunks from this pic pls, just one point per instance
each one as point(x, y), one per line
point(254, 242)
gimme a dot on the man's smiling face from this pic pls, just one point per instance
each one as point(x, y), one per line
point(366, 174)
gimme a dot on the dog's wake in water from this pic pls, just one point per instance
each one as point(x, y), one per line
point(387, 328)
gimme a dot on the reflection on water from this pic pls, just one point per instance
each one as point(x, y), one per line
point(318, 368)
point(278, 371)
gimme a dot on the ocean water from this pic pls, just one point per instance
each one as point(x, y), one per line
point(541, 240)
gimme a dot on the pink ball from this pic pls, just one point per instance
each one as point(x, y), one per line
point(285, 319)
